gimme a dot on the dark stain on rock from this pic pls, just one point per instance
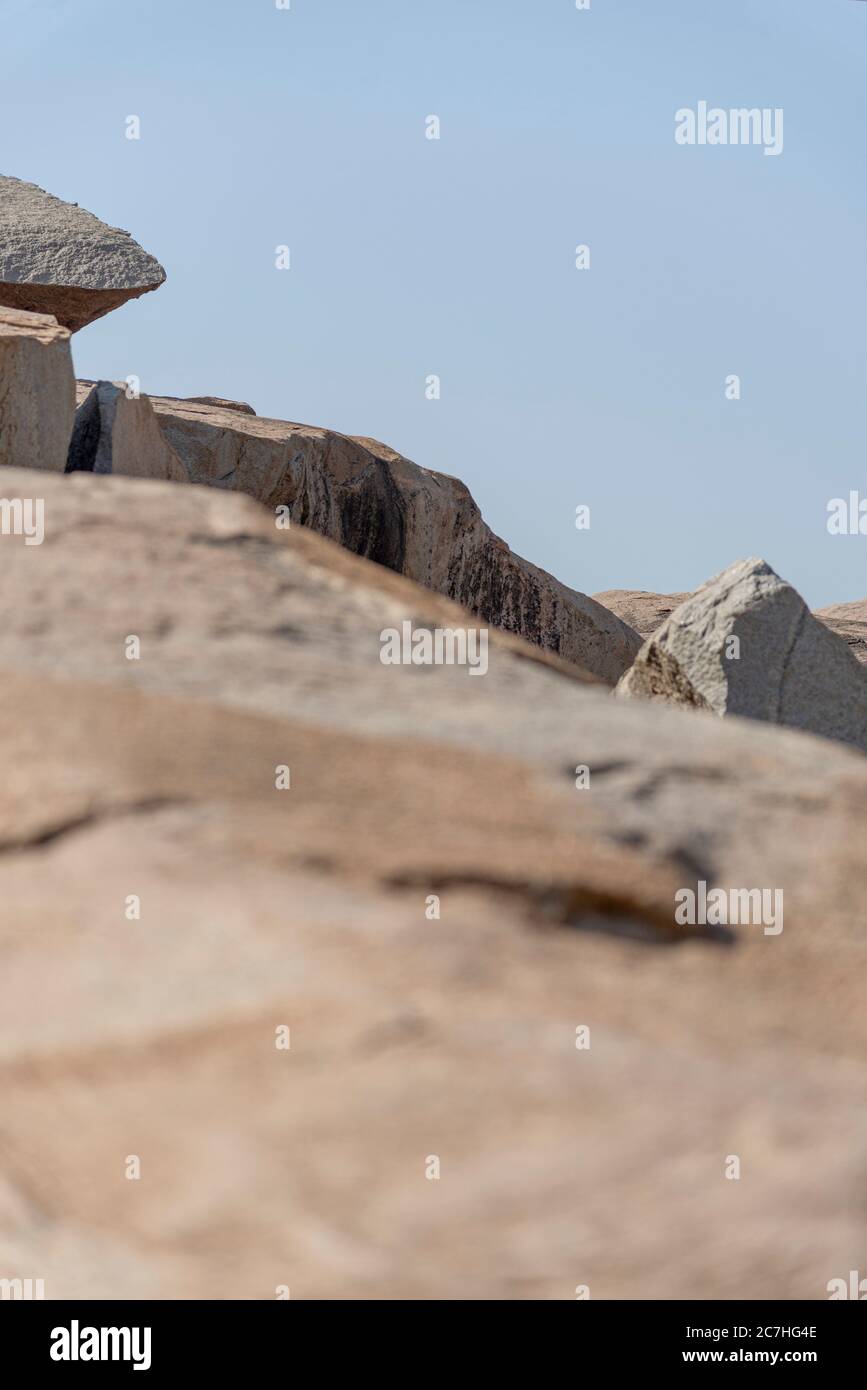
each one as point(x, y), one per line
point(85, 436)
point(373, 521)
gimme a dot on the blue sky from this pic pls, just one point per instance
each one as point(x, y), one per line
point(605, 387)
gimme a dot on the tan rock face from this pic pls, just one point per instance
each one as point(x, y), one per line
point(219, 402)
point(117, 433)
point(222, 404)
point(745, 643)
point(432, 909)
point(381, 506)
point(849, 621)
point(641, 610)
point(37, 391)
point(56, 258)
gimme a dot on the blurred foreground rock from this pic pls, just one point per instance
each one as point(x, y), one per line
point(413, 1035)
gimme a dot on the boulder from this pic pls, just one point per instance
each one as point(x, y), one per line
point(746, 643)
point(37, 391)
point(56, 258)
point(287, 1002)
point(380, 505)
point(118, 433)
point(641, 610)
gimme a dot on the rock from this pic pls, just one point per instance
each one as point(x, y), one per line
point(411, 1035)
point(116, 433)
point(643, 611)
point(849, 621)
point(646, 612)
point(221, 404)
point(421, 524)
point(785, 666)
point(218, 403)
point(37, 391)
point(56, 258)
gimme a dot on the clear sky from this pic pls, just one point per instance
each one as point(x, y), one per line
point(409, 257)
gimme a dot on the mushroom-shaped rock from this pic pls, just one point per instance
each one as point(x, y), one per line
point(56, 258)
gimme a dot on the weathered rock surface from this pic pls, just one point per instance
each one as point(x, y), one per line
point(37, 391)
point(381, 506)
point(118, 433)
point(56, 258)
point(643, 611)
point(849, 621)
point(219, 402)
point(746, 643)
point(222, 404)
point(410, 1035)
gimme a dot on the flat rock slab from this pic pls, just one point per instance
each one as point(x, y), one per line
point(222, 404)
point(37, 391)
point(639, 608)
point(56, 258)
point(849, 621)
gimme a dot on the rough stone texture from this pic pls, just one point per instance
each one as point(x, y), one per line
point(37, 391)
point(643, 611)
point(381, 506)
point(409, 1036)
point(241, 406)
point(219, 402)
point(115, 433)
point(56, 258)
point(791, 669)
point(849, 621)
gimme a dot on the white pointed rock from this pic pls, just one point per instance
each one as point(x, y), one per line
point(746, 643)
